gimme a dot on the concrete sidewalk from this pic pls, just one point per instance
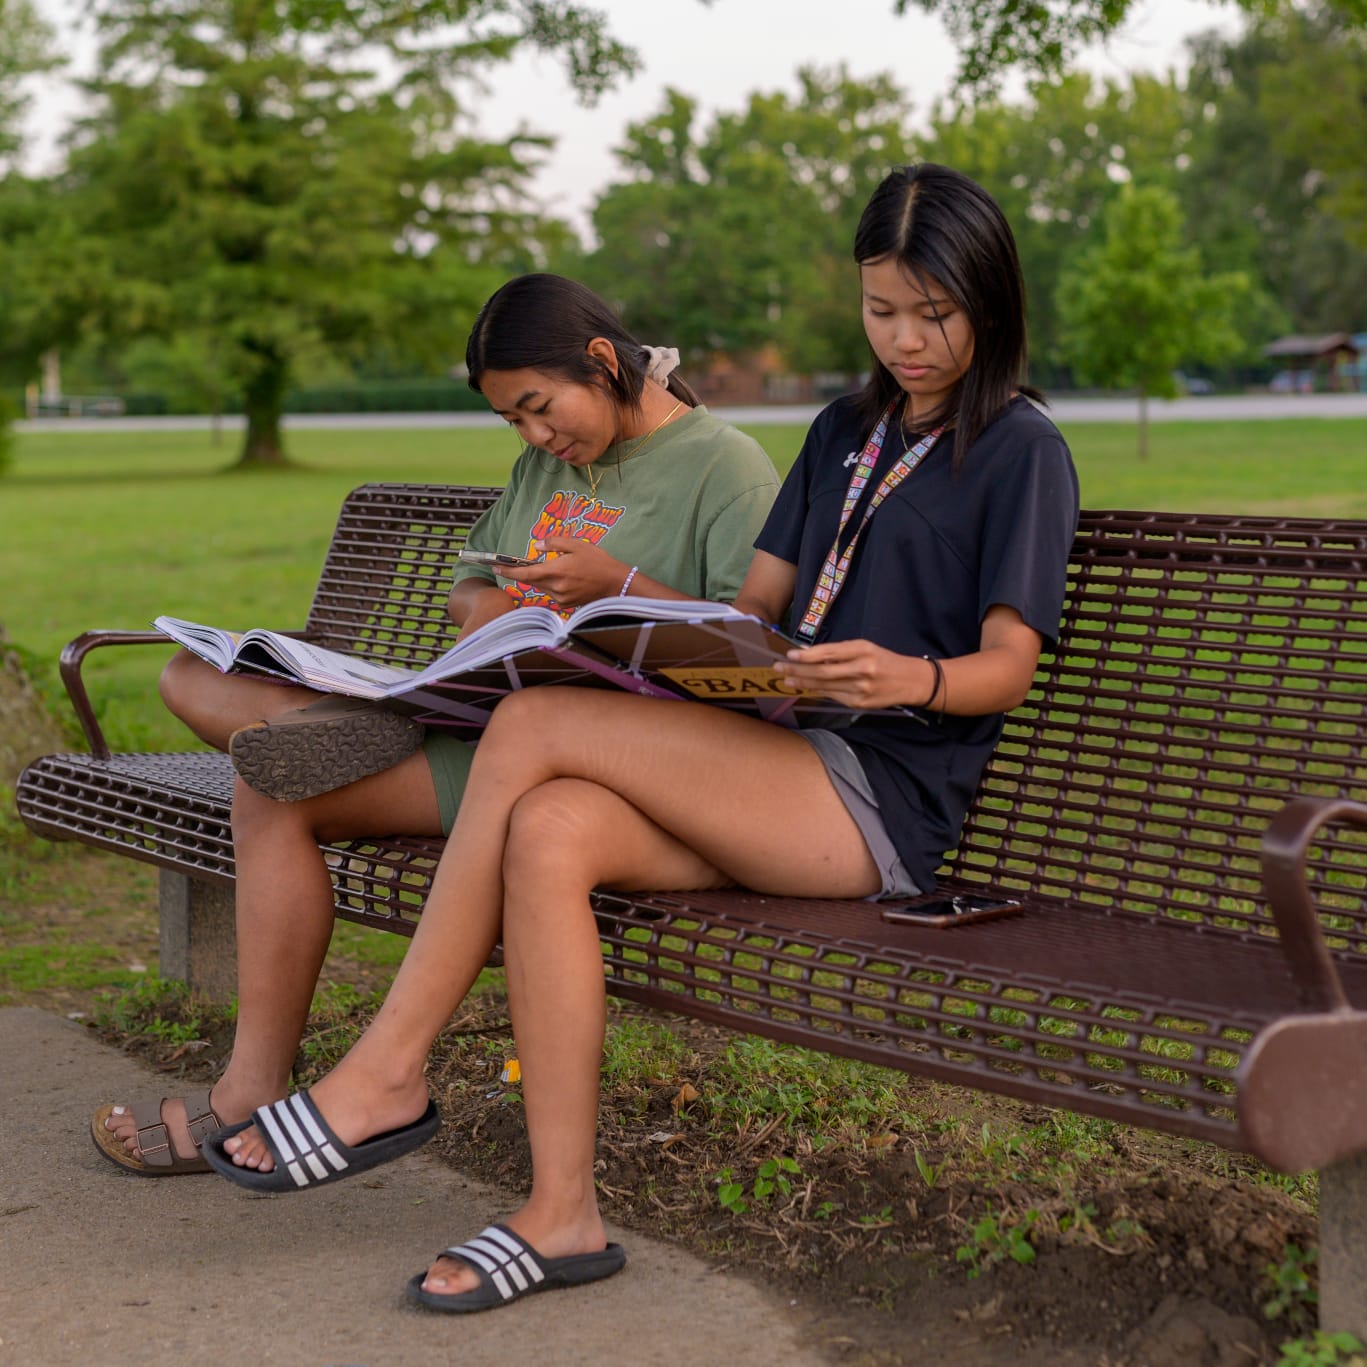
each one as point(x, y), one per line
point(97, 1266)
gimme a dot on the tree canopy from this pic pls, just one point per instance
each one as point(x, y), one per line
point(269, 192)
point(25, 50)
point(732, 236)
point(278, 179)
point(996, 36)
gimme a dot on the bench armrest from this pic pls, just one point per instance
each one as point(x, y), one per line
point(73, 657)
point(1285, 842)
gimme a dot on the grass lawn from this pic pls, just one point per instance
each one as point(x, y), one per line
point(108, 529)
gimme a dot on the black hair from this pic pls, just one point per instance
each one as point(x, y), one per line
point(938, 223)
point(545, 322)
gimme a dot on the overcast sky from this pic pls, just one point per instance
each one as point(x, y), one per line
point(717, 53)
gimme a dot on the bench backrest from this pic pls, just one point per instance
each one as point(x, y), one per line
point(384, 584)
point(1208, 668)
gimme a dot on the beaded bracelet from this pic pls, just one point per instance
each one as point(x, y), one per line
point(939, 682)
point(626, 583)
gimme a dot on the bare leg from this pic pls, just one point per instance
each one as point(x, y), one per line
point(284, 912)
point(214, 705)
point(750, 800)
point(556, 855)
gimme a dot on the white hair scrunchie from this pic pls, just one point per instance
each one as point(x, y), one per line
point(661, 362)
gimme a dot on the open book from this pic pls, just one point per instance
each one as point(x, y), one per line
point(672, 648)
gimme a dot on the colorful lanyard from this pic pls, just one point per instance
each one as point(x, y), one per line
point(832, 577)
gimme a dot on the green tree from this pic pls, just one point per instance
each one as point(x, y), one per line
point(272, 182)
point(738, 235)
point(1054, 161)
point(25, 50)
point(1139, 305)
point(1257, 201)
point(995, 36)
point(1315, 101)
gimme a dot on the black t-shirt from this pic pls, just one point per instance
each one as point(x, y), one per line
point(938, 552)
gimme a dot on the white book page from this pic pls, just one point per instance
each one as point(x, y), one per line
point(330, 671)
point(210, 643)
point(531, 628)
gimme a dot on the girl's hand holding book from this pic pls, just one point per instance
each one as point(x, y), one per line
point(858, 674)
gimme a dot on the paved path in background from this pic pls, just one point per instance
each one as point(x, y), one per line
point(97, 1266)
point(1213, 408)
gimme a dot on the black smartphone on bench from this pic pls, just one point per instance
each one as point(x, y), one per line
point(952, 911)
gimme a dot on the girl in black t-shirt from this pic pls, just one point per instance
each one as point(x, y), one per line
point(921, 542)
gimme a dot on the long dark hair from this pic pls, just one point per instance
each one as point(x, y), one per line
point(940, 224)
point(545, 322)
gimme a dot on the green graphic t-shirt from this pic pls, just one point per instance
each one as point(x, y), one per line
point(686, 508)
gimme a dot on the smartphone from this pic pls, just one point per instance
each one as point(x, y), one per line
point(493, 558)
point(952, 911)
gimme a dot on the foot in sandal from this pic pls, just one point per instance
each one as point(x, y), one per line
point(345, 1125)
point(162, 1138)
point(500, 1266)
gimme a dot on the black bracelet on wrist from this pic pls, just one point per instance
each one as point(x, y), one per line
point(938, 684)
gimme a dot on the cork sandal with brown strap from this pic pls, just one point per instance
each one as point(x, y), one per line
point(155, 1155)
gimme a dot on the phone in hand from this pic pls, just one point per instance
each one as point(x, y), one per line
point(494, 558)
point(952, 911)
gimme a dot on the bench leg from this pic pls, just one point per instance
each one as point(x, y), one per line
point(198, 941)
point(1343, 1247)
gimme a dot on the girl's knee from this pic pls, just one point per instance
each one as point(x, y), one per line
point(253, 813)
point(552, 839)
point(524, 713)
point(178, 683)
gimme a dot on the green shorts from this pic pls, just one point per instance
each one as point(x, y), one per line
point(449, 759)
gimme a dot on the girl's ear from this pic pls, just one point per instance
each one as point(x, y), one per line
point(603, 351)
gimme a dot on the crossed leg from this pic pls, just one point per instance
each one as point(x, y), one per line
point(572, 789)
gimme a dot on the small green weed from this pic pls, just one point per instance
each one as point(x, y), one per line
point(930, 1172)
point(1288, 1282)
point(993, 1241)
point(774, 1177)
point(1323, 1350)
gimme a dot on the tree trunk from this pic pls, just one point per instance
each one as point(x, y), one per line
point(263, 404)
point(1143, 425)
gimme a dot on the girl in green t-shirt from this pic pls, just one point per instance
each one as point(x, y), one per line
point(626, 485)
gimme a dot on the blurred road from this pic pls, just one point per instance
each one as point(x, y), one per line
point(1206, 408)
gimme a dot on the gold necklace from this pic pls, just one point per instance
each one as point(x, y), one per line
point(902, 423)
point(588, 469)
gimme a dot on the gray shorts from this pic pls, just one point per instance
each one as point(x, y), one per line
point(847, 774)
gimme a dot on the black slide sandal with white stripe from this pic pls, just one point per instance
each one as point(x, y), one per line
point(306, 1151)
point(510, 1268)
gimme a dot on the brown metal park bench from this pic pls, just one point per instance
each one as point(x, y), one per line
point(1181, 804)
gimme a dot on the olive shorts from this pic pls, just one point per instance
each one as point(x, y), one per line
point(449, 759)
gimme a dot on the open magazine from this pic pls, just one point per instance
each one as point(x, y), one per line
point(674, 648)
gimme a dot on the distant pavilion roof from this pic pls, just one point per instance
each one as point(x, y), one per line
point(1305, 348)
